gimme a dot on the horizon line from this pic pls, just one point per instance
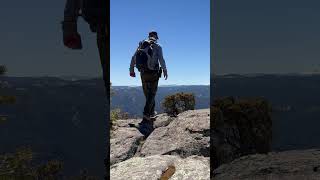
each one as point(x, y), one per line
point(163, 85)
point(212, 74)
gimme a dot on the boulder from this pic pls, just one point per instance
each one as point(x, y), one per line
point(124, 144)
point(287, 165)
point(160, 166)
point(186, 135)
point(192, 167)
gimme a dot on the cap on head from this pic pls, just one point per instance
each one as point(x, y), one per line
point(153, 34)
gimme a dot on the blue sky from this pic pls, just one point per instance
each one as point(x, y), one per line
point(183, 27)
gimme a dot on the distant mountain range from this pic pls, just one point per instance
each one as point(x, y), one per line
point(132, 100)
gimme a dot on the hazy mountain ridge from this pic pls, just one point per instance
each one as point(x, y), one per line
point(131, 99)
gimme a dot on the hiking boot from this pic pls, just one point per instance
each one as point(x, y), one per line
point(154, 115)
point(146, 127)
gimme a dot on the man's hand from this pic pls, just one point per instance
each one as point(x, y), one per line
point(165, 74)
point(71, 37)
point(132, 74)
point(72, 41)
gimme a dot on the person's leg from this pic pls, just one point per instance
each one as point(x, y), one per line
point(146, 126)
point(144, 84)
point(150, 86)
point(153, 89)
point(104, 52)
point(145, 88)
point(153, 92)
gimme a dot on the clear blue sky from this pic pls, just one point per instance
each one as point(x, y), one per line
point(183, 27)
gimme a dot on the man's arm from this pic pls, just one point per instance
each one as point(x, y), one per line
point(163, 63)
point(161, 59)
point(71, 10)
point(133, 62)
point(71, 37)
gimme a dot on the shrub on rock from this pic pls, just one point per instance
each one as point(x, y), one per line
point(240, 127)
point(178, 103)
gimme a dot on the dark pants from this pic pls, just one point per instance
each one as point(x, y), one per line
point(104, 52)
point(150, 85)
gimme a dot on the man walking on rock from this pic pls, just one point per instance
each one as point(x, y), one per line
point(147, 58)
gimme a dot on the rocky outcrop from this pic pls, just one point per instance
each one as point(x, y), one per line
point(125, 142)
point(240, 127)
point(188, 134)
point(287, 165)
point(241, 142)
point(157, 166)
point(178, 148)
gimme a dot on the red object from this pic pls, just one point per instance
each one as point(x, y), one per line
point(133, 74)
point(72, 41)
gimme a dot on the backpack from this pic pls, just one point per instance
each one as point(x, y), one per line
point(94, 12)
point(143, 55)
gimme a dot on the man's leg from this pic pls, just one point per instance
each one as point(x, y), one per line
point(104, 53)
point(144, 80)
point(153, 89)
point(150, 86)
point(144, 84)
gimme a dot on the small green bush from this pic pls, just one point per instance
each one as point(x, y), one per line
point(18, 163)
point(49, 171)
point(178, 103)
point(3, 69)
point(7, 99)
point(116, 114)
